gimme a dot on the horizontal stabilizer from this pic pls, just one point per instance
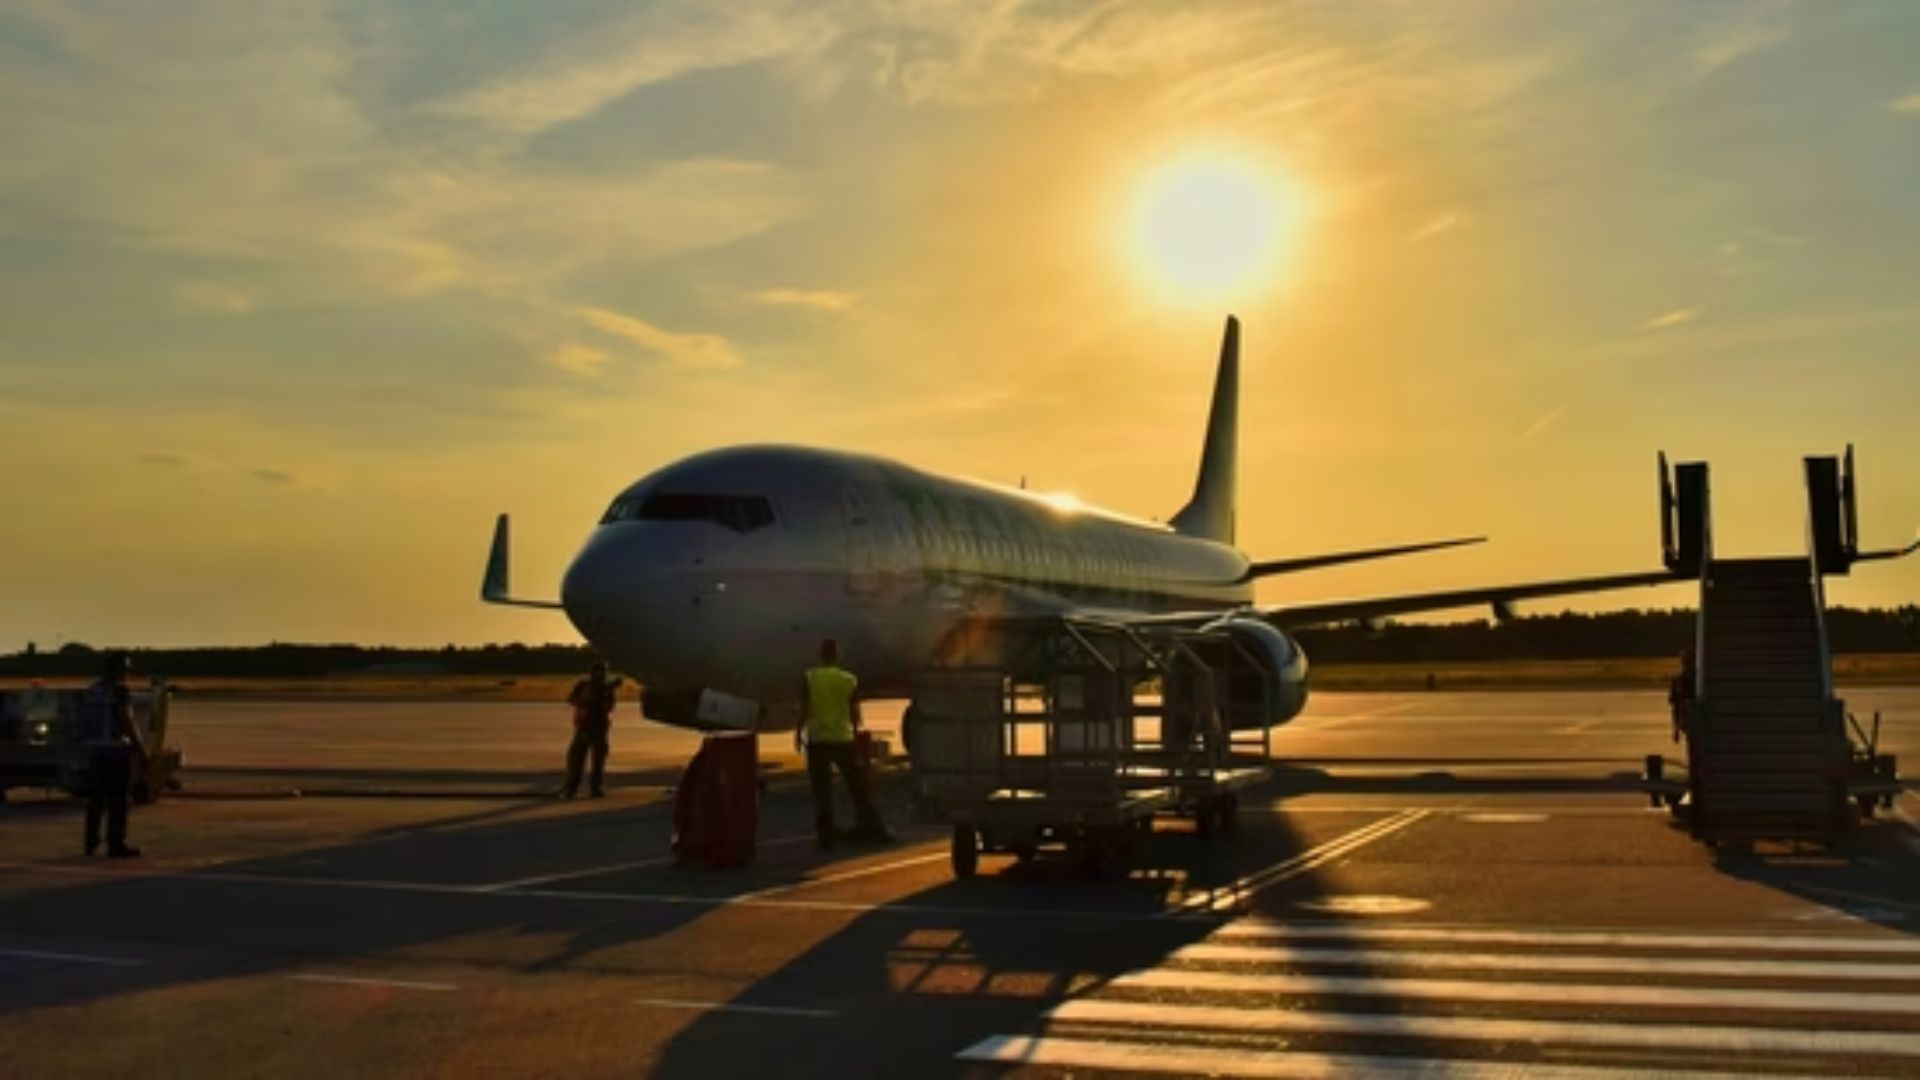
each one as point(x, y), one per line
point(494, 587)
point(1315, 562)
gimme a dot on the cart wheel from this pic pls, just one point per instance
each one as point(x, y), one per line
point(1229, 808)
point(965, 851)
point(1095, 857)
point(1867, 804)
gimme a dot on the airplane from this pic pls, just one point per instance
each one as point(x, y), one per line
point(713, 580)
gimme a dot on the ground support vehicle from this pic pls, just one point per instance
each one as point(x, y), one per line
point(40, 745)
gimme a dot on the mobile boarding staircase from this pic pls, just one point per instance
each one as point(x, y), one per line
point(1772, 753)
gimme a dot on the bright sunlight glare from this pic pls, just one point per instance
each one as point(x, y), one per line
point(1210, 227)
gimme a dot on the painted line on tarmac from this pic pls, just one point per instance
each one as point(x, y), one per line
point(1690, 1037)
point(730, 1007)
point(1175, 1060)
point(361, 980)
point(1560, 964)
point(1679, 998)
point(1579, 726)
point(1606, 939)
point(69, 958)
point(851, 907)
point(1234, 893)
point(614, 868)
point(833, 879)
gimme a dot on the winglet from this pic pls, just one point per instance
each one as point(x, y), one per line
point(494, 586)
point(1209, 514)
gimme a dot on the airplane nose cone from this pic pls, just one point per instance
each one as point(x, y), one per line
point(597, 585)
point(641, 597)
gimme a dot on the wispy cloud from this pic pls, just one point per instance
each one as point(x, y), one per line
point(215, 296)
point(576, 358)
point(1442, 223)
point(1766, 28)
point(1908, 104)
point(1667, 320)
point(604, 63)
point(1541, 423)
point(820, 299)
point(164, 461)
point(687, 350)
point(273, 476)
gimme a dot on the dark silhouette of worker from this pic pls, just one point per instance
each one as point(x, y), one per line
point(108, 734)
point(592, 699)
point(1680, 694)
point(830, 695)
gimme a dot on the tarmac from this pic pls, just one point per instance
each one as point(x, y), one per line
point(1434, 884)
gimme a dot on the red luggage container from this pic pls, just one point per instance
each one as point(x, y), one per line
point(716, 808)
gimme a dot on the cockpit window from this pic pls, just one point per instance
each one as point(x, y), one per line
point(741, 513)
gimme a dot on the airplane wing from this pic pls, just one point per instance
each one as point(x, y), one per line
point(1501, 597)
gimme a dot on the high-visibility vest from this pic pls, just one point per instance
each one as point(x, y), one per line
point(830, 704)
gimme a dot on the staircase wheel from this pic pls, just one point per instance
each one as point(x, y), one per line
point(965, 851)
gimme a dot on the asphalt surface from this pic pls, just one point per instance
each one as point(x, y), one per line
point(1433, 884)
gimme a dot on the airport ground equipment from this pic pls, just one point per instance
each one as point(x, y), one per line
point(1772, 752)
point(716, 805)
point(40, 745)
point(1073, 735)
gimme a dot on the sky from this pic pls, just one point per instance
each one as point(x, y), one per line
point(297, 295)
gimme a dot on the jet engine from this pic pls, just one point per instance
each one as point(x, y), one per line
point(1284, 664)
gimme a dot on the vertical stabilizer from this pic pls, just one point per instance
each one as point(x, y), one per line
point(1209, 513)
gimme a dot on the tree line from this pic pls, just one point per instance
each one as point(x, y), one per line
point(1566, 636)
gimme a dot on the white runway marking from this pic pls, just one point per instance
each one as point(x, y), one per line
point(1237, 892)
point(1608, 939)
point(1677, 998)
point(1559, 964)
point(614, 868)
point(728, 1007)
point(1580, 726)
point(1688, 1037)
point(850, 875)
point(69, 958)
point(1272, 1065)
point(856, 907)
point(358, 980)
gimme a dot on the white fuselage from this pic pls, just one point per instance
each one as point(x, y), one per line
point(724, 571)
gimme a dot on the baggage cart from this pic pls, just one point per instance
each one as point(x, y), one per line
point(1072, 735)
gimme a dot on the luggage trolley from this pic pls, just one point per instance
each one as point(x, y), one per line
point(1072, 734)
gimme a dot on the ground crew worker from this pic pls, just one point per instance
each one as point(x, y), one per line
point(592, 699)
point(831, 700)
point(1680, 694)
point(107, 732)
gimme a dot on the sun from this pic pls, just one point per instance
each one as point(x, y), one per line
point(1212, 226)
